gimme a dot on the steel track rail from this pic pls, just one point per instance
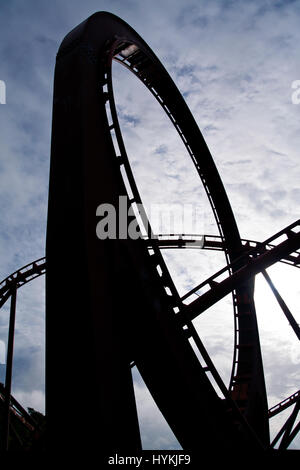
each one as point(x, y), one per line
point(291, 236)
point(87, 158)
point(166, 241)
point(215, 243)
point(148, 69)
point(23, 275)
point(37, 268)
point(284, 404)
point(89, 165)
point(215, 289)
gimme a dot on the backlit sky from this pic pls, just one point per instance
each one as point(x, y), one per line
point(234, 62)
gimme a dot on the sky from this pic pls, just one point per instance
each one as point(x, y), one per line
point(234, 62)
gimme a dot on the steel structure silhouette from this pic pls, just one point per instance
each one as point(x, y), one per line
point(112, 304)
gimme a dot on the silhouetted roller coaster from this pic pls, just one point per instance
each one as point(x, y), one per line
point(112, 303)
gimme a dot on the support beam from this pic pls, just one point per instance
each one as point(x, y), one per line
point(254, 266)
point(286, 429)
point(282, 304)
point(9, 362)
point(284, 404)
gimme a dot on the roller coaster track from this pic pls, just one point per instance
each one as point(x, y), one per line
point(284, 404)
point(164, 241)
point(168, 241)
point(214, 242)
point(117, 297)
point(257, 252)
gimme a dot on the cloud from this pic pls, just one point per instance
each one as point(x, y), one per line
point(32, 399)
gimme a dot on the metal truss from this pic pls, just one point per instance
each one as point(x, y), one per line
point(284, 404)
point(288, 431)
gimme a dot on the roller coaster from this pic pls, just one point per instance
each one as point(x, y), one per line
point(112, 304)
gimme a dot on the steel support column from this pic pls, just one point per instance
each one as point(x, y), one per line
point(9, 364)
